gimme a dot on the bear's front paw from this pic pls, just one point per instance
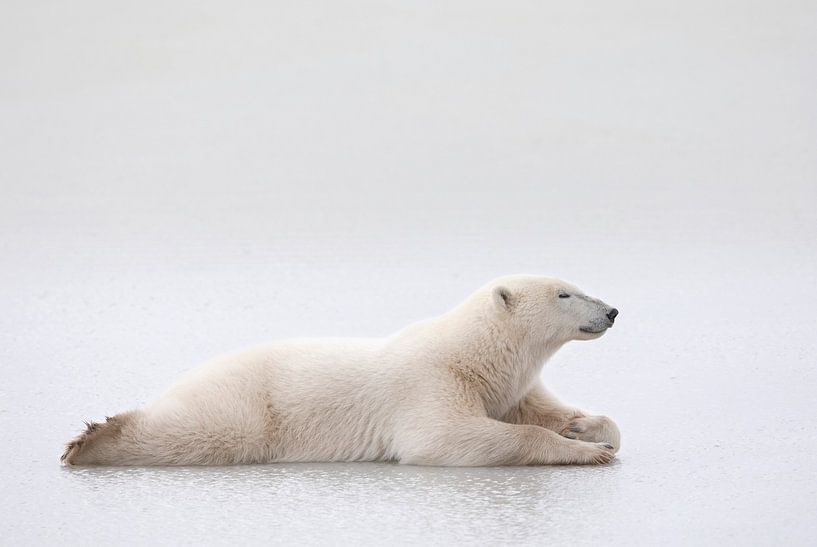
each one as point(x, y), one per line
point(594, 429)
point(592, 453)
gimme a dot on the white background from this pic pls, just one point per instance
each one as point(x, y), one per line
point(183, 179)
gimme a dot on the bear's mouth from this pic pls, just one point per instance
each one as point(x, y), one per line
point(591, 330)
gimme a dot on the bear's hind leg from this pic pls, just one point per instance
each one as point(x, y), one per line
point(110, 442)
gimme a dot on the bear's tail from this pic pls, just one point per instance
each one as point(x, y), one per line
point(112, 442)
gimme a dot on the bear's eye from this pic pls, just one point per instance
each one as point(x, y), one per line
point(564, 295)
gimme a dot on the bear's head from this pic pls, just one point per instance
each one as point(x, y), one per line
point(550, 310)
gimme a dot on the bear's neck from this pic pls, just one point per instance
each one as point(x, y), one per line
point(507, 364)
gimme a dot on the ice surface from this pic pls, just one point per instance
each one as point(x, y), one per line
point(184, 179)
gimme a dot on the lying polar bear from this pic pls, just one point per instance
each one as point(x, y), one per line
point(459, 389)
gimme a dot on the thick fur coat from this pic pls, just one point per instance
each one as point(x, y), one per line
point(459, 389)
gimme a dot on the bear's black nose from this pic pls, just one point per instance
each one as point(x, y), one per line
point(611, 315)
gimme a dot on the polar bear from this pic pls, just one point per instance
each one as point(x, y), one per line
point(461, 389)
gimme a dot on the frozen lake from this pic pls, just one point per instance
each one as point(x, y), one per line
point(179, 181)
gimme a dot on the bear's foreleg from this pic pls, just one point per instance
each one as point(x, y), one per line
point(482, 441)
point(541, 408)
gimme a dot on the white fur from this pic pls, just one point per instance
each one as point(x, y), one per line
point(459, 389)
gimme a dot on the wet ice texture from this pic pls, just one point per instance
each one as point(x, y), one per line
point(180, 180)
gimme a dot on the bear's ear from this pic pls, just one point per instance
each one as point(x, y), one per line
point(503, 298)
